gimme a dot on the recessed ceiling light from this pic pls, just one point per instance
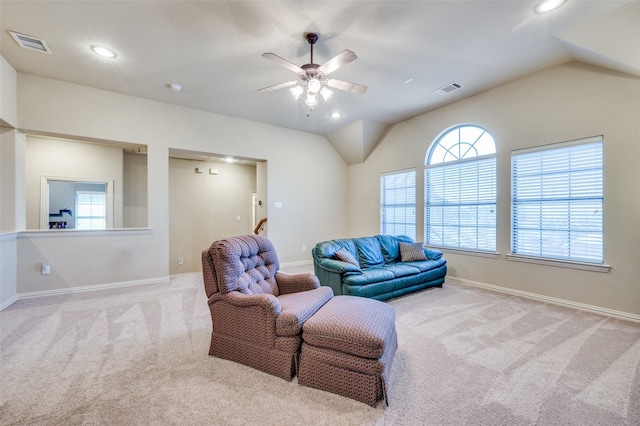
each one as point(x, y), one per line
point(549, 5)
point(103, 51)
point(175, 87)
point(408, 80)
point(229, 159)
point(335, 115)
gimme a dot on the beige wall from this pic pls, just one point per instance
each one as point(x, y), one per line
point(304, 173)
point(135, 190)
point(8, 94)
point(203, 208)
point(69, 160)
point(562, 103)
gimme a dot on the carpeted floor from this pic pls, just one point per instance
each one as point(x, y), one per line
point(466, 356)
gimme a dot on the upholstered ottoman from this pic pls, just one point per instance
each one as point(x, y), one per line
point(348, 347)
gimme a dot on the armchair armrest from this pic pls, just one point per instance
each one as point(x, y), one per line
point(295, 283)
point(247, 317)
point(267, 302)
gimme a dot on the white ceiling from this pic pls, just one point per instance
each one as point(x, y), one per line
point(213, 49)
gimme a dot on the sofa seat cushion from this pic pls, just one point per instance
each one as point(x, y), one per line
point(296, 308)
point(402, 270)
point(426, 265)
point(368, 276)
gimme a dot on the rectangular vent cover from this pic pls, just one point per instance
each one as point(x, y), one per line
point(449, 88)
point(29, 42)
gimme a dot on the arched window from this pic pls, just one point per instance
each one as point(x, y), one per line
point(460, 190)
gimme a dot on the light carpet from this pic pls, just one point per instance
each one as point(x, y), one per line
point(466, 356)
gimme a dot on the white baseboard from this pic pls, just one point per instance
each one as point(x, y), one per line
point(8, 302)
point(185, 274)
point(84, 288)
point(296, 263)
point(562, 302)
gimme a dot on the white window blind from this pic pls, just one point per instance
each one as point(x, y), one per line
point(92, 210)
point(398, 204)
point(557, 201)
point(461, 204)
point(460, 190)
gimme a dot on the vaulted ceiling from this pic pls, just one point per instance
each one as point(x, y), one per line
point(406, 51)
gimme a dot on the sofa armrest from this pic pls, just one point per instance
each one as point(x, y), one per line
point(432, 254)
point(337, 266)
point(294, 283)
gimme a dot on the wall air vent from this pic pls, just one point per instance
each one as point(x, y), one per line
point(448, 89)
point(29, 42)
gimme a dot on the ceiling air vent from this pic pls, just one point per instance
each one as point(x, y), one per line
point(29, 42)
point(448, 88)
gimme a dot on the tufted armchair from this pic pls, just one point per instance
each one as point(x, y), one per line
point(256, 311)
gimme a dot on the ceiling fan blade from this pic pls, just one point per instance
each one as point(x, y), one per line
point(341, 59)
point(279, 86)
point(346, 86)
point(278, 60)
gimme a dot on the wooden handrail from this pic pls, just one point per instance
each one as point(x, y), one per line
point(259, 225)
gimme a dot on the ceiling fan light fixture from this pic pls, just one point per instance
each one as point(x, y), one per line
point(314, 85)
point(325, 93)
point(312, 99)
point(296, 91)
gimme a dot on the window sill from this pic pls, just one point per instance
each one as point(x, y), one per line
point(559, 263)
point(478, 253)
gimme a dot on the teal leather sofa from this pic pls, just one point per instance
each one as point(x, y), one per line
point(376, 269)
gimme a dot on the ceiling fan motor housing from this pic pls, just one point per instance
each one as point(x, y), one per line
point(312, 38)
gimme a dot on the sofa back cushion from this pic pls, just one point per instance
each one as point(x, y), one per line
point(389, 245)
point(369, 252)
point(328, 249)
point(247, 264)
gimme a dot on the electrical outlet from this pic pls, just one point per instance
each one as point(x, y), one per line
point(46, 269)
point(180, 261)
point(304, 247)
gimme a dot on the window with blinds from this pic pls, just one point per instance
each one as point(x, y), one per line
point(91, 208)
point(557, 201)
point(460, 190)
point(398, 204)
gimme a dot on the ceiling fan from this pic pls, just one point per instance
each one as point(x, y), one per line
point(313, 78)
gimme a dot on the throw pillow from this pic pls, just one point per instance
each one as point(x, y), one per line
point(410, 252)
point(345, 256)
